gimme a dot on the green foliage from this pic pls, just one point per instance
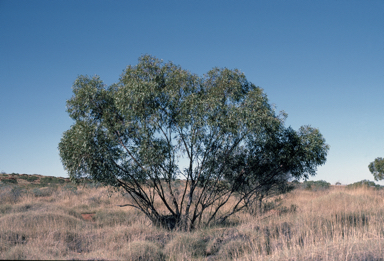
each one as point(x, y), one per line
point(9, 181)
point(51, 180)
point(137, 133)
point(28, 178)
point(315, 185)
point(363, 183)
point(377, 168)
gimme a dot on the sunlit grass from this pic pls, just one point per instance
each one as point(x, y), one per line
point(331, 224)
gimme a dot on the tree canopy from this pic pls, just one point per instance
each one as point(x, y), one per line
point(377, 168)
point(217, 134)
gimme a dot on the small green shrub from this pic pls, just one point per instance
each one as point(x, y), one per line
point(315, 185)
point(9, 181)
point(51, 180)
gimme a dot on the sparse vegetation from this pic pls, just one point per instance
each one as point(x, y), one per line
point(9, 180)
point(51, 180)
point(326, 224)
point(29, 178)
point(364, 183)
point(315, 185)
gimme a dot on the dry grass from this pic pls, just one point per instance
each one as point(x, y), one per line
point(334, 224)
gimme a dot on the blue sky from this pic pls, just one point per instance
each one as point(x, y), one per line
point(322, 62)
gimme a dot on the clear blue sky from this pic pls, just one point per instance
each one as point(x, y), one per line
point(322, 62)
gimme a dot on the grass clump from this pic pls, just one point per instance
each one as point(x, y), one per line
point(114, 218)
point(141, 250)
point(43, 192)
point(186, 246)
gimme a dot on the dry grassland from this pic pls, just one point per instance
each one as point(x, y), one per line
point(49, 223)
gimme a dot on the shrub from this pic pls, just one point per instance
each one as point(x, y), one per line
point(362, 184)
point(11, 195)
point(29, 178)
point(51, 180)
point(9, 180)
point(315, 185)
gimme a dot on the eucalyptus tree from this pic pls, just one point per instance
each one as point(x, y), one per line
point(216, 134)
point(377, 168)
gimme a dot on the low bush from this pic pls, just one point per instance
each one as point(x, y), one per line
point(11, 194)
point(316, 185)
point(28, 178)
point(51, 180)
point(9, 181)
point(363, 183)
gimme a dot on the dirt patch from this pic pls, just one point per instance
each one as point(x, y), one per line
point(88, 216)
